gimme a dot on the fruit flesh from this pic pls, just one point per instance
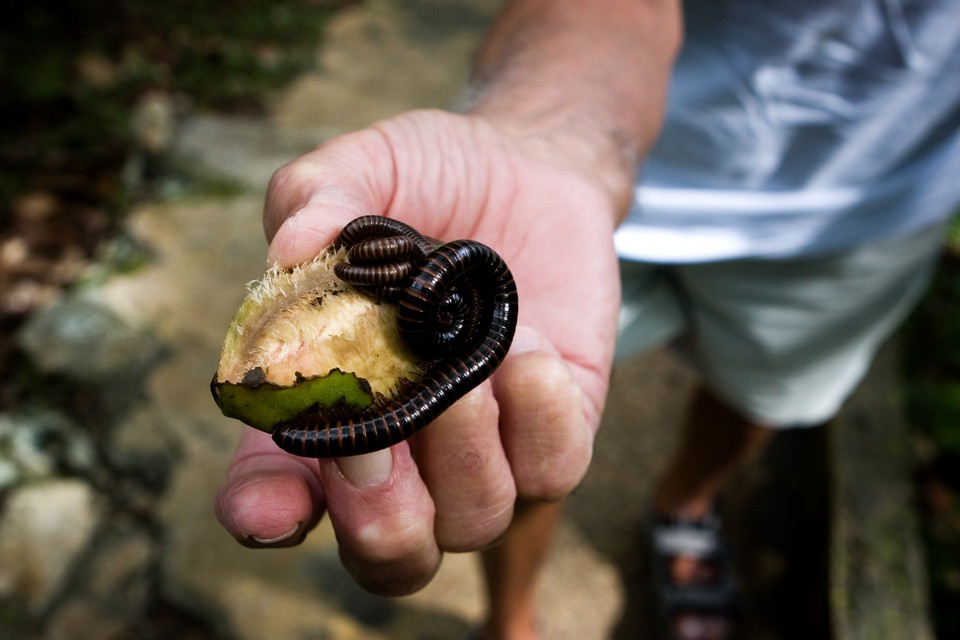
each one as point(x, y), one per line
point(302, 338)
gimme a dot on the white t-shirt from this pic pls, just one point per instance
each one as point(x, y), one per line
point(800, 127)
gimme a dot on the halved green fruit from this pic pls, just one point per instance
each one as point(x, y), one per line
point(303, 339)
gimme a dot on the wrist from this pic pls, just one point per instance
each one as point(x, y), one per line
point(603, 154)
point(582, 85)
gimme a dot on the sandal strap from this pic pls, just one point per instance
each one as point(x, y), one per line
point(719, 598)
point(701, 539)
point(688, 538)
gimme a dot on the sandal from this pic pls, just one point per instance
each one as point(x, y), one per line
point(698, 594)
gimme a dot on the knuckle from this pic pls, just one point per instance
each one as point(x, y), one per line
point(556, 477)
point(550, 442)
point(394, 563)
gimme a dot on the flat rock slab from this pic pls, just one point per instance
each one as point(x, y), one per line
point(44, 530)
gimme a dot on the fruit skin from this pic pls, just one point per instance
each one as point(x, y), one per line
point(264, 405)
point(304, 340)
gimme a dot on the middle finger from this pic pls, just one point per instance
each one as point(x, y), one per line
point(467, 473)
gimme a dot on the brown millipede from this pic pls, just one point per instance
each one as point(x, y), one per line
point(457, 310)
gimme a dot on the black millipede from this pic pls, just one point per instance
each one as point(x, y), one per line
point(375, 276)
point(375, 250)
point(457, 309)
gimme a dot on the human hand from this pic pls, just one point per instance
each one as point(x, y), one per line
point(527, 433)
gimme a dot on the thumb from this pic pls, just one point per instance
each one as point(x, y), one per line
point(311, 198)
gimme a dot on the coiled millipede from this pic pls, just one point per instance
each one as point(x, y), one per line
point(457, 309)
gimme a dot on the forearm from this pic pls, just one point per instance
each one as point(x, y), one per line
point(583, 83)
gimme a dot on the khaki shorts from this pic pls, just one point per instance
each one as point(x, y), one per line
point(784, 342)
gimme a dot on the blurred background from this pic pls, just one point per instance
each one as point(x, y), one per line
point(136, 142)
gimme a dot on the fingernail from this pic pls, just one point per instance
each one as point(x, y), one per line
point(277, 539)
point(369, 470)
point(525, 340)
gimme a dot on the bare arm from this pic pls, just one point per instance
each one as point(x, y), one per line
point(582, 81)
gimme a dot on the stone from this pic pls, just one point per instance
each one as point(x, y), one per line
point(45, 529)
point(24, 457)
point(85, 341)
point(35, 445)
point(120, 572)
point(219, 147)
point(143, 445)
point(154, 122)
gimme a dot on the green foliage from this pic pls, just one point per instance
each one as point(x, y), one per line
point(71, 70)
point(931, 339)
point(935, 407)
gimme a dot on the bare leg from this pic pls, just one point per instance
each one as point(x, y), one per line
point(716, 440)
point(511, 570)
